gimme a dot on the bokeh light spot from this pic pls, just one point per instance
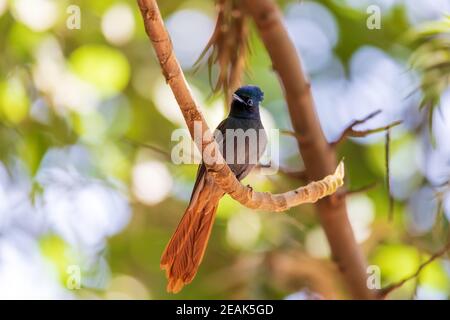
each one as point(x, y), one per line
point(106, 68)
point(181, 26)
point(14, 102)
point(243, 230)
point(115, 32)
point(152, 182)
point(38, 15)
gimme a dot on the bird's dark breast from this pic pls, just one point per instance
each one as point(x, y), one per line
point(248, 144)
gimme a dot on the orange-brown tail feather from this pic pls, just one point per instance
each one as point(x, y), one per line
point(186, 248)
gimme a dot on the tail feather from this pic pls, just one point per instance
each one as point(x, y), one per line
point(187, 246)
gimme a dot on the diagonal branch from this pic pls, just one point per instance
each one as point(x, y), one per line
point(365, 133)
point(293, 134)
point(318, 156)
point(385, 291)
point(293, 174)
point(217, 167)
point(351, 132)
point(387, 156)
point(288, 172)
point(165, 154)
point(362, 189)
point(350, 129)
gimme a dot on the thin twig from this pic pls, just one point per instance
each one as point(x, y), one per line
point(365, 133)
point(290, 173)
point(350, 128)
point(388, 175)
point(362, 189)
point(385, 291)
point(297, 175)
point(352, 133)
point(151, 147)
point(417, 279)
point(293, 134)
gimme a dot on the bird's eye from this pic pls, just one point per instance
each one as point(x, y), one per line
point(250, 102)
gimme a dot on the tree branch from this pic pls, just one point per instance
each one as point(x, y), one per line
point(151, 147)
point(318, 156)
point(362, 189)
point(388, 174)
point(294, 135)
point(385, 291)
point(351, 132)
point(293, 174)
point(288, 172)
point(365, 133)
point(218, 168)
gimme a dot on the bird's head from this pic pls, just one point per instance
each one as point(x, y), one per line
point(246, 101)
point(250, 96)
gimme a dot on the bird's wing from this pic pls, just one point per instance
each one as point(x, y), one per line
point(201, 168)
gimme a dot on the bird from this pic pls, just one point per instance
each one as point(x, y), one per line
point(185, 250)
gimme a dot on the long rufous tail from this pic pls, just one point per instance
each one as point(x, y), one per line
point(186, 248)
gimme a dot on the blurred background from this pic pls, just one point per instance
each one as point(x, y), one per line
point(87, 188)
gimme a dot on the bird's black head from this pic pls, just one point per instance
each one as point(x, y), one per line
point(246, 101)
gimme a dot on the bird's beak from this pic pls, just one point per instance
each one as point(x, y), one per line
point(236, 97)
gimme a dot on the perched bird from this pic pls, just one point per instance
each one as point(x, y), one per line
point(186, 248)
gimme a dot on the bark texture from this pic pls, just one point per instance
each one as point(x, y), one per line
point(319, 157)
